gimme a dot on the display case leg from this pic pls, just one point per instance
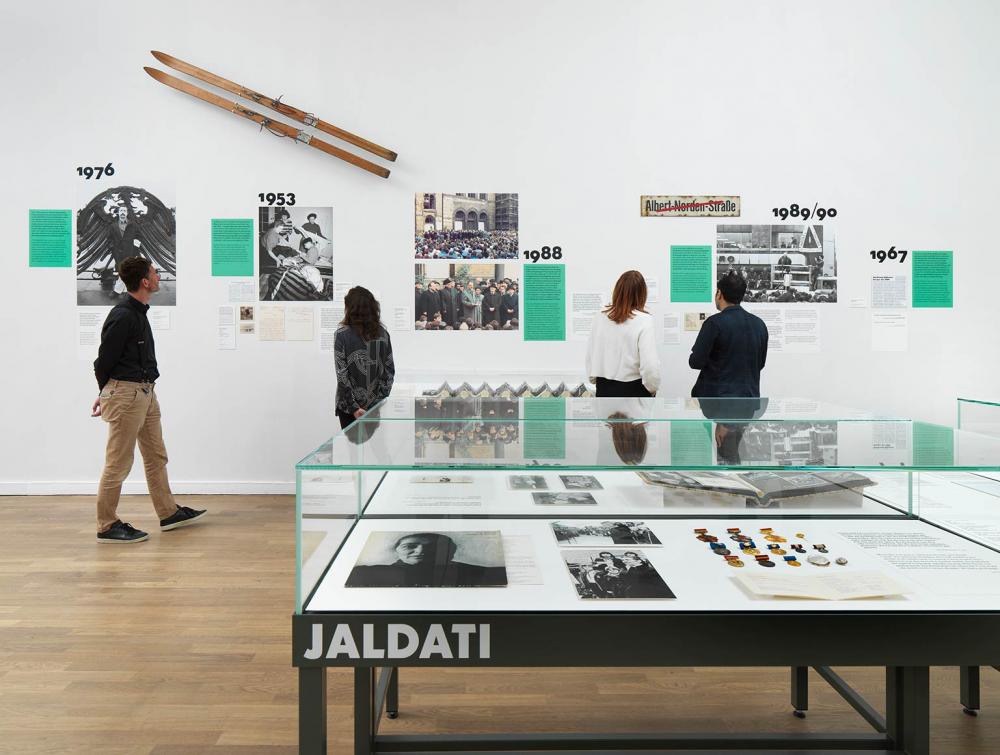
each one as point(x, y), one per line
point(364, 703)
point(969, 689)
point(800, 691)
point(312, 711)
point(907, 708)
point(392, 694)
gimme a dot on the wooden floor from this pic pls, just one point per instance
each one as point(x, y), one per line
point(182, 645)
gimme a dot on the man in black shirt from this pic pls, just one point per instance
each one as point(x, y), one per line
point(731, 347)
point(126, 373)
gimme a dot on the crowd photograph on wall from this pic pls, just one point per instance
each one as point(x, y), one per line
point(465, 297)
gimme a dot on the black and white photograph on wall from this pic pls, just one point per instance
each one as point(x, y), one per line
point(527, 482)
point(295, 253)
point(564, 499)
point(121, 222)
point(782, 264)
point(614, 575)
point(465, 227)
point(580, 482)
point(431, 559)
point(597, 534)
point(466, 296)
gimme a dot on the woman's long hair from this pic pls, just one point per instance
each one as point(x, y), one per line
point(362, 313)
point(629, 295)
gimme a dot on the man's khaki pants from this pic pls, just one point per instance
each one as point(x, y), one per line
point(133, 414)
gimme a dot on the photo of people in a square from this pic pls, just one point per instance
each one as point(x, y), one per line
point(781, 264)
point(296, 253)
point(597, 533)
point(614, 574)
point(465, 226)
point(465, 296)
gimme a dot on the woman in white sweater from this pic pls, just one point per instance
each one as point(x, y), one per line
point(621, 355)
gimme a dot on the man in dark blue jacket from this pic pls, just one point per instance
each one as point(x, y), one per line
point(731, 347)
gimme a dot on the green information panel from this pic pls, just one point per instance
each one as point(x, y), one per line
point(544, 303)
point(542, 439)
point(691, 274)
point(232, 246)
point(691, 444)
point(50, 238)
point(933, 445)
point(933, 280)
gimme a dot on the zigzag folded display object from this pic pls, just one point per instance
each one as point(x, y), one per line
point(506, 391)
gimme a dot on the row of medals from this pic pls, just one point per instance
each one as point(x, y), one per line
point(775, 548)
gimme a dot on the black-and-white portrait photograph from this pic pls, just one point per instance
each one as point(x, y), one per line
point(122, 222)
point(527, 482)
point(465, 227)
point(431, 559)
point(781, 263)
point(593, 533)
point(564, 499)
point(614, 574)
point(295, 253)
point(466, 296)
point(580, 482)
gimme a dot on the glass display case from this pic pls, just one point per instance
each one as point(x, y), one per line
point(438, 531)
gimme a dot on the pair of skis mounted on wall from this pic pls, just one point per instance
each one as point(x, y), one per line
point(275, 127)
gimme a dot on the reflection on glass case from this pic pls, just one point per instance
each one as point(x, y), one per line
point(525, 478)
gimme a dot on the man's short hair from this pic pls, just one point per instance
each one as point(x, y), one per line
point(733, 287)
point(132, 270)
point(310, 215)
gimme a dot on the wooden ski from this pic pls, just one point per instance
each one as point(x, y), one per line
point(275, 127)
point(261, 99)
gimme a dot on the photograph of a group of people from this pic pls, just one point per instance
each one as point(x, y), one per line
point(473, 428)
point(122, 222)
point(781, 263)
point(614, 574)
point(451, 296)
point(465, 226)
point(296, 253)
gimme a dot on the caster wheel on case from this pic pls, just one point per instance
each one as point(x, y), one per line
point(970, 712)
point(392, 714)
point(799, 713)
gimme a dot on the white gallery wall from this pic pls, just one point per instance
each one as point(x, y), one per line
point(886, 111)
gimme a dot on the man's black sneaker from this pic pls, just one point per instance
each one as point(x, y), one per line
point(181, 518)
point(122, 532)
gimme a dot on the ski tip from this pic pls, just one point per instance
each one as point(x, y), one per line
point(160, 56)
point(155, 73)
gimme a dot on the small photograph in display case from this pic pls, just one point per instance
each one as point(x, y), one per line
point(564, 499)
point(465, 226)
point(580, 482)
point(595, 533)
point(527, 482)
point(614, 574)
point(440, 479)
point(431, 559)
